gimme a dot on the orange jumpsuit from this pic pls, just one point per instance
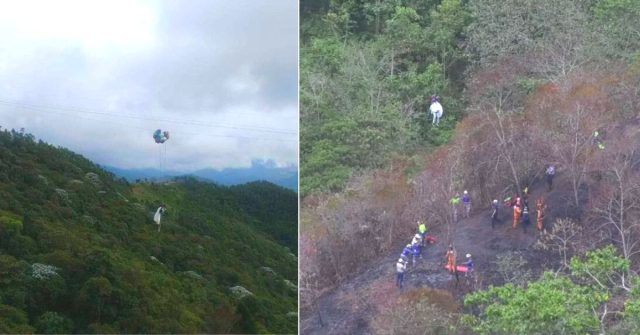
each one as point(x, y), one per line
point(541, 207)
point(516, 215)
point(451, 260)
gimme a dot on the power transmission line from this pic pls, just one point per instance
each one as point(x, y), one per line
point(54, 109)
point(127, 125)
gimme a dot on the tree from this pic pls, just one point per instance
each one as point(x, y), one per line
point(562, 239)
point(53, 323)
point(616, 204)
point(566, 116)
point(551, 305)
point(617, 21)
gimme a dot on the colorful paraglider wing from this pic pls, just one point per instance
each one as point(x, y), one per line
point(459, 268)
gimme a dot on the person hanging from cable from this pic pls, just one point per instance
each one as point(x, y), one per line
point(436, 110)
point(158, 216)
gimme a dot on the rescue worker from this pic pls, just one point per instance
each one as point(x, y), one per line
point(516, 214)
point(422, 230)
point(550, 173)
point(466, 201)
point(525, 218)
point(406, 252)
point(494, 214)
point(401, 267)
point(416, 247)
point(541, 207)
point(455, 201)
point(469, 264)
point(598, 140)
point(451, 261)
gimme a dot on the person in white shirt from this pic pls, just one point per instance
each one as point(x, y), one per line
point(401, 267)
point(436, 109)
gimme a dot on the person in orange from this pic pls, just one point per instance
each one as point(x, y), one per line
point(541, 207)
point(517, 210)
point(451, 261)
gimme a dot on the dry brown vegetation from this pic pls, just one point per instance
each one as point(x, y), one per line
point(502, 145)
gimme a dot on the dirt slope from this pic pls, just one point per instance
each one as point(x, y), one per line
point(351, 308)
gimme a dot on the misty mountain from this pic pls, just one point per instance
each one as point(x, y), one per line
point(260, 170)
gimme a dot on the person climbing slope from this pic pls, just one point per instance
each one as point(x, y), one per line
point(401, 267)
point(494, 213)
point(550, 173)
point(541, 207)
point(466, 201)
point(436, 109)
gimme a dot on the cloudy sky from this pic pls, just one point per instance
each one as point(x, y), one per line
point(100, 77)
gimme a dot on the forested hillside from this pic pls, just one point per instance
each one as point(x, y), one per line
point(80, 252)
point(524, 85)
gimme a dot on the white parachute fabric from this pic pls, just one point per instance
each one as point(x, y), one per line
point(158, 215)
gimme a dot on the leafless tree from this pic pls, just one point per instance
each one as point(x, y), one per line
point(618, 203)
point(562, 239)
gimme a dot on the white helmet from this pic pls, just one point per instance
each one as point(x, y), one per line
point(400, 260)
point(418, 236)
point(465, 192)
point(495, 201)
point(468, 255)
point(408, 245)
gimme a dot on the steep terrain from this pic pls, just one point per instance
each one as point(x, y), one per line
point(354, 305)
point(80, 252)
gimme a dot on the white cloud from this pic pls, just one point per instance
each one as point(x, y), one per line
point(100, 77)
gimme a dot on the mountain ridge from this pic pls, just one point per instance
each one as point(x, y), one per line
point(81, 253)
point(283, 176)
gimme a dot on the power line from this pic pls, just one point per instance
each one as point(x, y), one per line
point(53, 109)
point(127, 125)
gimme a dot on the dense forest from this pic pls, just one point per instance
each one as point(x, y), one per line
point(80, 252)
point(524, 84)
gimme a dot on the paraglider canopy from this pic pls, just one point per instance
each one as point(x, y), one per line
point(160, 136)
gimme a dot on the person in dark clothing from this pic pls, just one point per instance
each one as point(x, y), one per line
point(550, 173)
point(494, 213)
point(526, 221)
